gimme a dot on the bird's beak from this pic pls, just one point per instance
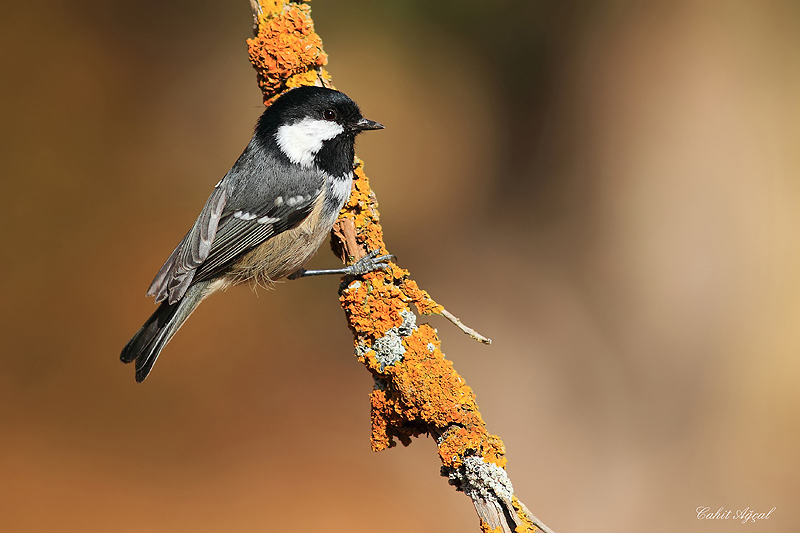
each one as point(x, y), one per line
point(366, 124)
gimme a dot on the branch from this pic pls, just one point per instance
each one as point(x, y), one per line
point(417, 391)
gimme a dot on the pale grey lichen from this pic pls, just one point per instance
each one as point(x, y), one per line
point(481, 480)
point(389, 349)
point(362, 349)
point(409, 324)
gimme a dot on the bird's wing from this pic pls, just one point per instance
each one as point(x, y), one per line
point(175, 275)
point(242, 230)
point(260, 197)
point(224, 231)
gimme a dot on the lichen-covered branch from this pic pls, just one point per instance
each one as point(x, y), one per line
point(417, 391)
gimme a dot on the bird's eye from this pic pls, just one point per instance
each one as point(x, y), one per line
point(329, 114)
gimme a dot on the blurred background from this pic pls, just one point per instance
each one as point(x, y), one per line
point(609, 190)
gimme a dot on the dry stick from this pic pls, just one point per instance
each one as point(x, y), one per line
point(416, 391)
point(466, 329)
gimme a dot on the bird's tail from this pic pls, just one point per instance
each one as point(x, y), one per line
point(148, 342)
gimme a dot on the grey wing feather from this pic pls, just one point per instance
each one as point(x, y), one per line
point(237, 236)
point(219, 237)
point(176, 274)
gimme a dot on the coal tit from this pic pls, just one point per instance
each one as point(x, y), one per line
point(266, 217)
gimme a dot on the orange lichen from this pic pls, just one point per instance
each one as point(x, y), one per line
point(372, 308)
point(287, 51)
point(389, 422)
point(422, 392)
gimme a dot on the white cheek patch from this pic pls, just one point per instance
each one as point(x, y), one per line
point(302, 140)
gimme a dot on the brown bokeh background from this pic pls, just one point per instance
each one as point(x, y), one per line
point(610, 190)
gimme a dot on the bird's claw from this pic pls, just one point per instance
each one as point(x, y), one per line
point(370, 263)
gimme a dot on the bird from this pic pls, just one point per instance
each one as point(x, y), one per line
point(266, 217)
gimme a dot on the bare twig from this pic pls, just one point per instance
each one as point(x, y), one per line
point(466, 329)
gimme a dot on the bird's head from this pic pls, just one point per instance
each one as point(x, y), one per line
point(315, 126)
